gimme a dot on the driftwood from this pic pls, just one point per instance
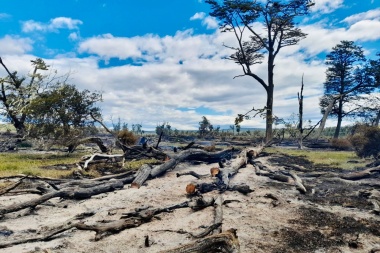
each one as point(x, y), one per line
point(223, 242)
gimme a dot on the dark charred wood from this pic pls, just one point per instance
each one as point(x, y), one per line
point(368, 173)
point(223, 242)
point(192, 173)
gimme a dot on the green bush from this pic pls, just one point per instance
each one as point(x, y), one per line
point(366, 141)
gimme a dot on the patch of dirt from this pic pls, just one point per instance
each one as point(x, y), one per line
point(317, 229)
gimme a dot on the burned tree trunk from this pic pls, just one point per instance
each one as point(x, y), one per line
point(223, 242)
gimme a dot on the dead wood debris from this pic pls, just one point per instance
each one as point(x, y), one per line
point(223, 242)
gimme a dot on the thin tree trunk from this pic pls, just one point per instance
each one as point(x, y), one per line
point(340, 117)
point(269, 116)
point(300, 116)
point(377, 119)
point(324, 118)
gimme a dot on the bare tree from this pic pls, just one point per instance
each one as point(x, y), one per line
point(278, 19)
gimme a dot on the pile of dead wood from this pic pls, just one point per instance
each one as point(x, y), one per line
point(210, 239)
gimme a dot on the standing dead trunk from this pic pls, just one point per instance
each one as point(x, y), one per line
point(300, 116)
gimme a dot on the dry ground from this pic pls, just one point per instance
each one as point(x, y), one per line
point(336, 218)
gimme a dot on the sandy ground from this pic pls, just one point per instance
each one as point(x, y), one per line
point(263, 225)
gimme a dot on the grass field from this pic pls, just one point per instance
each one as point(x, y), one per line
point(30, 164)
point(336, 159)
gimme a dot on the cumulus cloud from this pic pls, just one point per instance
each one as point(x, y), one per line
point(188, 70)
point(208, 21)
point(15, 45)
point(371, 14)
point(326, 6)
point(52, 26)
point(184, 45)
point(74, 36)
point(198, 15)
point(181, 73)
point(322, 38)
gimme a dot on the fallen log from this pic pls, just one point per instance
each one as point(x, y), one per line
point(298, 182)
point(218, 214)
point(47, 234)
point(11, 187)
point(191, 173)
point(361, 174)
point(141, 176)
point(208, 187)
point(68, 193)
point(143, 151)
point(223, 242)
point(104, 157)
point(376, 207)
point(188, 155)
point(280, 178)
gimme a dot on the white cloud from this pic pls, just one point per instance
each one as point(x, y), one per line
point(371, 14)
point(4, 15)
point(326, 6)
point(203, 79)
point(52, 26)
point(198, 15)
point(15, 45)
point(208, 21)
point(187, 70)
point(74, 36)
point(64, 23)
point(321, 38)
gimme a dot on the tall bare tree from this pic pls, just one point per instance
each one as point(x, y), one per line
point(278, 30)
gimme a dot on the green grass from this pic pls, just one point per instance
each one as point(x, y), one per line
point(336, 159)
point(30, 164)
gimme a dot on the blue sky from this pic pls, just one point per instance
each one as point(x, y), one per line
point(162, 61)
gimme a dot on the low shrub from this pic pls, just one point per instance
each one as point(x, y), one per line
point(127, 138)
point(209, 148)
point(366, 141)
point(341, 144)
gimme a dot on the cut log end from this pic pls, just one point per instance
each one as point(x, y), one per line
point(214, 171)
point(135, 185)
point(190, 189)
